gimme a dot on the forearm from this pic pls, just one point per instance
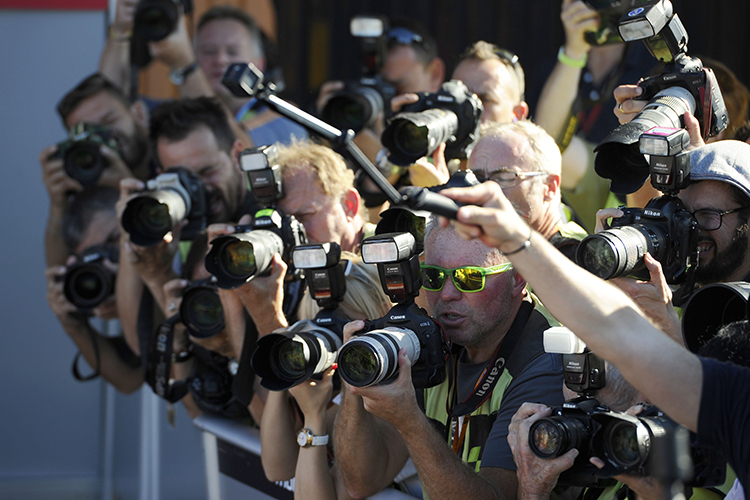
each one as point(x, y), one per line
point(114, 63)
point(155, 284)
point(279, 447)
point(443, 474)
point(355, 429)
point(556, 100)
point(312, 478)
point(55, 253)
point(128, 290)
point(613, 327)
point(113, 369)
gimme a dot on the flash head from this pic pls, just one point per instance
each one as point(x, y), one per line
point(560, 340)
point(645, 22)
point(389, 247)
point(263, 174)
point(316, 255)
point(243, 80)
point(664, 141)
point(367, 26)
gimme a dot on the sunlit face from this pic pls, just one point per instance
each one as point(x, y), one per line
point(494, 84)
point(324, 218)
point(218, 170)
point(470, 319)
point(406, 72)
point(220, 43)
point(106, 110)
point(723, 251)
point(507, 152)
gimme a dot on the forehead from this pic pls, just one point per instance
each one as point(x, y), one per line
point(195, 151)
point(224, 32)
point(301, 188)
point(402, 67)
point(485, 76)
point(507, 150)
point(95, 108)
point(707, 194)
point(446, 249)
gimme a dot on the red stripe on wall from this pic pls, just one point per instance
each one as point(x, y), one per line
point(54, 4)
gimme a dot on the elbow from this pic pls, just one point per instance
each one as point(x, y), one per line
point(276, 476)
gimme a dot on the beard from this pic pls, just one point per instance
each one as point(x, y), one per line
point(726, 262)
point(132, 150)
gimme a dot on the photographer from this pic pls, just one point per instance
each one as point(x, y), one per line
point(89, 221)
point(309, 404)
point(719, 198)
point(193, 134)
point(486, 311)
point(496, 76)
point(703, 395)
point(93, 101)
point(525, 162)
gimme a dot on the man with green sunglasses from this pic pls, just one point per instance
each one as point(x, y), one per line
point(498, 363)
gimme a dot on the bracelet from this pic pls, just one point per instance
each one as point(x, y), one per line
point(569, 61)
point(118, 37)
point(182, 356)
point(523, 246)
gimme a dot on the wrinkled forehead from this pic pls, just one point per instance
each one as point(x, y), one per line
point(444, 248)
point(506, 150)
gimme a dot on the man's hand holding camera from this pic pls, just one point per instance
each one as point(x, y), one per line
point(577, 19)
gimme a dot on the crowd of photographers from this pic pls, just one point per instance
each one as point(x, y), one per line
point(319, 276)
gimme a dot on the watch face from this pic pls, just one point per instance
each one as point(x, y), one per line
point(302, 438)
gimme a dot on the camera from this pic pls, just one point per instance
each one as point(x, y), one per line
point(88, 283)
point(359, 103)
point(450, 115)
point(650, 444)
point(170, 197)
point(83, 160)
point(371, 357)
point(289, 356)
point(685, 85)
point(235, 259)
point(200, 310)
point(710, 308)
point(155, 20)
point(663, 228)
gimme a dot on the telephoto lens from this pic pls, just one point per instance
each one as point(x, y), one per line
point(554, 436)
point(358, 104)
point(237, 258)
point(288, 357)
point(372, 358)
point(200, 310)
point(619, 251)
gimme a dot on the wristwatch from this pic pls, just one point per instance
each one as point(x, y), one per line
point(306, 438)
point(178, 75)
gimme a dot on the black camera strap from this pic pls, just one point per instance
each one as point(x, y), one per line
point(491, 374)
point(95, 346)
point(159, 367)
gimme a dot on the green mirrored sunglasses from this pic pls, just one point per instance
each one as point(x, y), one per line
point(465, 279)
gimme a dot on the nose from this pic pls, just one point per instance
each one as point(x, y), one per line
point(450, 292)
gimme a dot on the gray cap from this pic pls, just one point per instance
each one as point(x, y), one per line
point(725, 161)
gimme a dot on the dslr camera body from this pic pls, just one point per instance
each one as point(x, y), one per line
point(83, 160)
point(155, 20)
point(169, 198)
point(451, 115)
point(360, 102)
point(371, 357)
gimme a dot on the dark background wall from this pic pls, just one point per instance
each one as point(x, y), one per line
point(315, 44)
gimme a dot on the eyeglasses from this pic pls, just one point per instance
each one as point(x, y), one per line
point(710, 220)
point(466, 279)
point(508, 178)
point(404, 36)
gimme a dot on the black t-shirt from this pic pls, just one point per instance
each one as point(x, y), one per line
point(724, 417)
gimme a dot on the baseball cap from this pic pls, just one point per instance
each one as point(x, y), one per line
point(725, 161)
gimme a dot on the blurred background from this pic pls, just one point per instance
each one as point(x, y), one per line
point(63, 439)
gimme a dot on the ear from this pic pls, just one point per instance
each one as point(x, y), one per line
point(553, 187)
point(352, 203)
point(237, 148)
point(519, 285)
point(521, 111)
point(140, 111)
point(436, 70)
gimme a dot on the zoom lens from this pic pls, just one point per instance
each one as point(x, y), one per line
point(150, 216)
point(291, 358)
point(355, 109)
point(372, 358)
point(238, 259)
point(619, 251)
point(154, 20)
point(86, 286)
point(201, 311)
point(410, 136)
point(621, 443)
point(554, 436)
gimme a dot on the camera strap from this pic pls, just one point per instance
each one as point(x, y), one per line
point(95, 346)
point(159, 367)
point(491, 374)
